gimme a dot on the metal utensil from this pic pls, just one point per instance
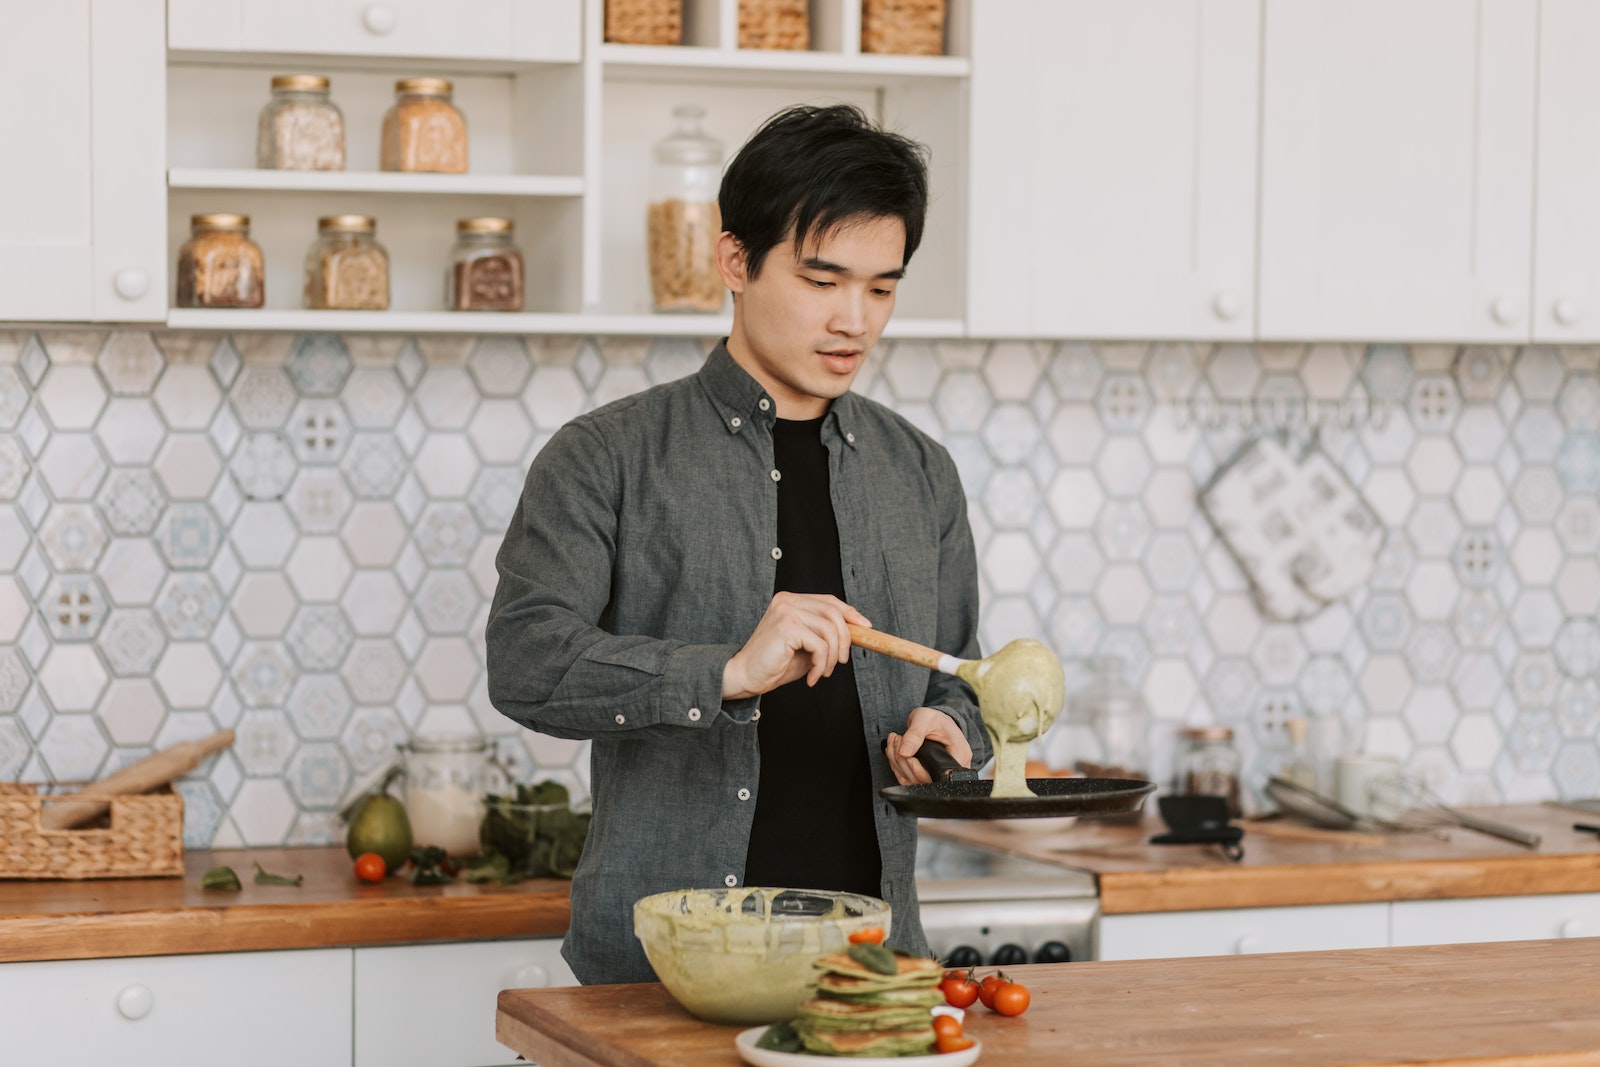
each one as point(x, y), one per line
point(1422, 807)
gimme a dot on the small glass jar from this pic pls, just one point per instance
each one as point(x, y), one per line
point(1208, 764)
point(300, 128)
point(219, 266)
point(684, 220)
point(423, 131)
point(446, 780)
point(1121, 722)
point(347, 268)
point(485, 267)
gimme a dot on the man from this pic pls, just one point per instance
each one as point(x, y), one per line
point(678, 578)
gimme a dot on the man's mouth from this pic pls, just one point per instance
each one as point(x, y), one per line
point(841, 359)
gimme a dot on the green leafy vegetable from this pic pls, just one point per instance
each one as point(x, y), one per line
point(221, 878)
point(490, 867)
point(874, 958)
point(536, 830)
point(264, 878)
point(430, 865)
point(780, 1037)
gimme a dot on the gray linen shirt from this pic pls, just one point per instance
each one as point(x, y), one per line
point(639, 560)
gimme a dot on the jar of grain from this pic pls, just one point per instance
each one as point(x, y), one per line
point(485, 268)
point(300, 128)
point(684, 220)
point(1208, 765)
point(219, 266)
point(347, 268)
point(423, 131)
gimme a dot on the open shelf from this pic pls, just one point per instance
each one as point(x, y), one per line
point(648, 62)
point(357, 181)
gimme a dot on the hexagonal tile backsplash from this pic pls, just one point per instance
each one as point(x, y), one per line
point(294, 537)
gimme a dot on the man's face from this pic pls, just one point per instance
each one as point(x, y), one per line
point(804, 326)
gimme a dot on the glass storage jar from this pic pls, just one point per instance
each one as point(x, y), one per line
point(300, 128)
point(347, 268)
point(446, 778)
point(1208, 764)
point(485, 267)
point(1121, 722)
point(219, 266)
point(684, 220)
point(423, 131)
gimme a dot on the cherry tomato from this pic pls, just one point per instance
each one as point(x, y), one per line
point(872, 935)
point(953, 1042)
point(370, 867)
point(1011, 998)
point(959, 989)
point(946, 1024)
point(987, 987)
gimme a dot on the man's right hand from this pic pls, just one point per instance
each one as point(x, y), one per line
point(801, 635)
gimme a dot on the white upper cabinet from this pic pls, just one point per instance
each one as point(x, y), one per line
point(1566, 276)
point(1397, 169)
point(1113, 168)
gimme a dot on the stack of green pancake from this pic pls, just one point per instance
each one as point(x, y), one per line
point(870, 1002)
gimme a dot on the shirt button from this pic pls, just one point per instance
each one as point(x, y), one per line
point(736, 422)
point(744, 794)
point(850, 437)
point(730, 881)
point(775, 474)
point(755, 716)
point(694, 714)
point(777, 553)
point(621, 720)
point(764, 404)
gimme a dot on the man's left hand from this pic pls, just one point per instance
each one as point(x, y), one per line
point(925, 724)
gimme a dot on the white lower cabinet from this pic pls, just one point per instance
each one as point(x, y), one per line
point(434, 1005)
point(1240, 931)
point(1534, 918)
point(243, 1009)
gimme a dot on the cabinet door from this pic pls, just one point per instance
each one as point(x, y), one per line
point(1456, 922)
point(434, 1005)
point(1113, 168)
point(249, 1009)
point(1566, 276)
point(1397, 169)
point(1241, 931)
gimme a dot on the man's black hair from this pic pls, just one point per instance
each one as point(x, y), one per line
point(809, 170)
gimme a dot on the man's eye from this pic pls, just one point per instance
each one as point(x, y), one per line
point(883, 292)
point(820, 284)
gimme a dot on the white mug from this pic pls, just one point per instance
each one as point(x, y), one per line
point(1352, 776)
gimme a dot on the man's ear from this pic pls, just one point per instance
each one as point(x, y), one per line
point(731, 261)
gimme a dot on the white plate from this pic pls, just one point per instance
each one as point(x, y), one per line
point(761, 1057)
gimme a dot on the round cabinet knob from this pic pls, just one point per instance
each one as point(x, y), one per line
point(1568, 311)
point(1575, 928)
point(1009, 955)
point(528, 976)
point(380, 19)
point(1052, 952)
point(1247, 945)
point(963, 956)
point(135, 1002)
point(131, 283)
point(1227, 305)
point(1505, 311)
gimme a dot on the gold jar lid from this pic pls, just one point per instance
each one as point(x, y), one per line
point(424, 86)
point(483, 225)
point(347, 223)
point(1207, 733)
point(302, 82)
point(219, 220)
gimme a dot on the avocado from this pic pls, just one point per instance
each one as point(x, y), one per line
point(380, 825)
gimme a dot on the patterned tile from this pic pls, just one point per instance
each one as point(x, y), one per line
point(263, 466)
point(14, 467)
point(319, 706)
point(14, 681)
point(262, 397)
point(263, 673)
point(132, 641)
point(446, 534)
point(71, 396)
point(374, 465)
point(319, 431)
point(74, 607)
point(14, 396)
point(318, 364)
point(374, 670)
point(188, 536)
point(72, 537)
point(319, 637)
point(373, 397)
point(130, 431)
point(446, 602)
point(189, 606)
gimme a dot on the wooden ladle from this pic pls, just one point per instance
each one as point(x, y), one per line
point(1020, 691)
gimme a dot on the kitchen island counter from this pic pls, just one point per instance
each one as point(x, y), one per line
point(1509, 1004)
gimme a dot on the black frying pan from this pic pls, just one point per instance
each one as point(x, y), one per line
point(957, 793)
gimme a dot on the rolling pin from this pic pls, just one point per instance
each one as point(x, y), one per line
point(149, 773)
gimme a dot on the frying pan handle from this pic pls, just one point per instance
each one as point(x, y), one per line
point(901, 649)
point(939, 763)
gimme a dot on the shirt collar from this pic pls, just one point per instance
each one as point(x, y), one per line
point(738, 397)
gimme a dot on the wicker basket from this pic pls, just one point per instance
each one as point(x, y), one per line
point(903, 27)
point(144, 838)
point(644, 21)
point(774, 24)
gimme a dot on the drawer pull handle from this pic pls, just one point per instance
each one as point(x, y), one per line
point(1247, 945)
point(131, 283)
point(135, 1002)
point(1575, 928)
point(528, 976)
point(380, 19)
point(1227, 305)
point(1568, 311)
point(1505, 311)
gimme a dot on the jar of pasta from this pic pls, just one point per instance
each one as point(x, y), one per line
point(347, 268)
point(423, 131)
point(485, 267)
point(219, 266)
point(300, 128)
point(684, 220)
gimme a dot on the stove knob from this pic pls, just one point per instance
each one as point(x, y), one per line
point(1052, 952)
point(963, 956)
point(1009, 955)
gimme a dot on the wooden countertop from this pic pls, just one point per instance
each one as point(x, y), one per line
point(1136, 876)
point(1508, 1004)
point(166, 916)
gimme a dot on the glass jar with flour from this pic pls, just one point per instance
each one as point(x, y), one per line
point(446, 779)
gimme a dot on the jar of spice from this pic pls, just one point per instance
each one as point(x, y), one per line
point(300, 128)
point(446, 779)
point(684, 220)
point(423, 131)
point(1208, 764)
point(485, 267)
point(347, 268)
point(219, 266)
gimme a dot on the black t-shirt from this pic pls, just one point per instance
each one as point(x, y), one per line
point(814, 827)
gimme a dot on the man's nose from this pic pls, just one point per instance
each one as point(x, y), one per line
point(849, 314)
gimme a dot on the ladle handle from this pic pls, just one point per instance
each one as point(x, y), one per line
point(901, 649)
